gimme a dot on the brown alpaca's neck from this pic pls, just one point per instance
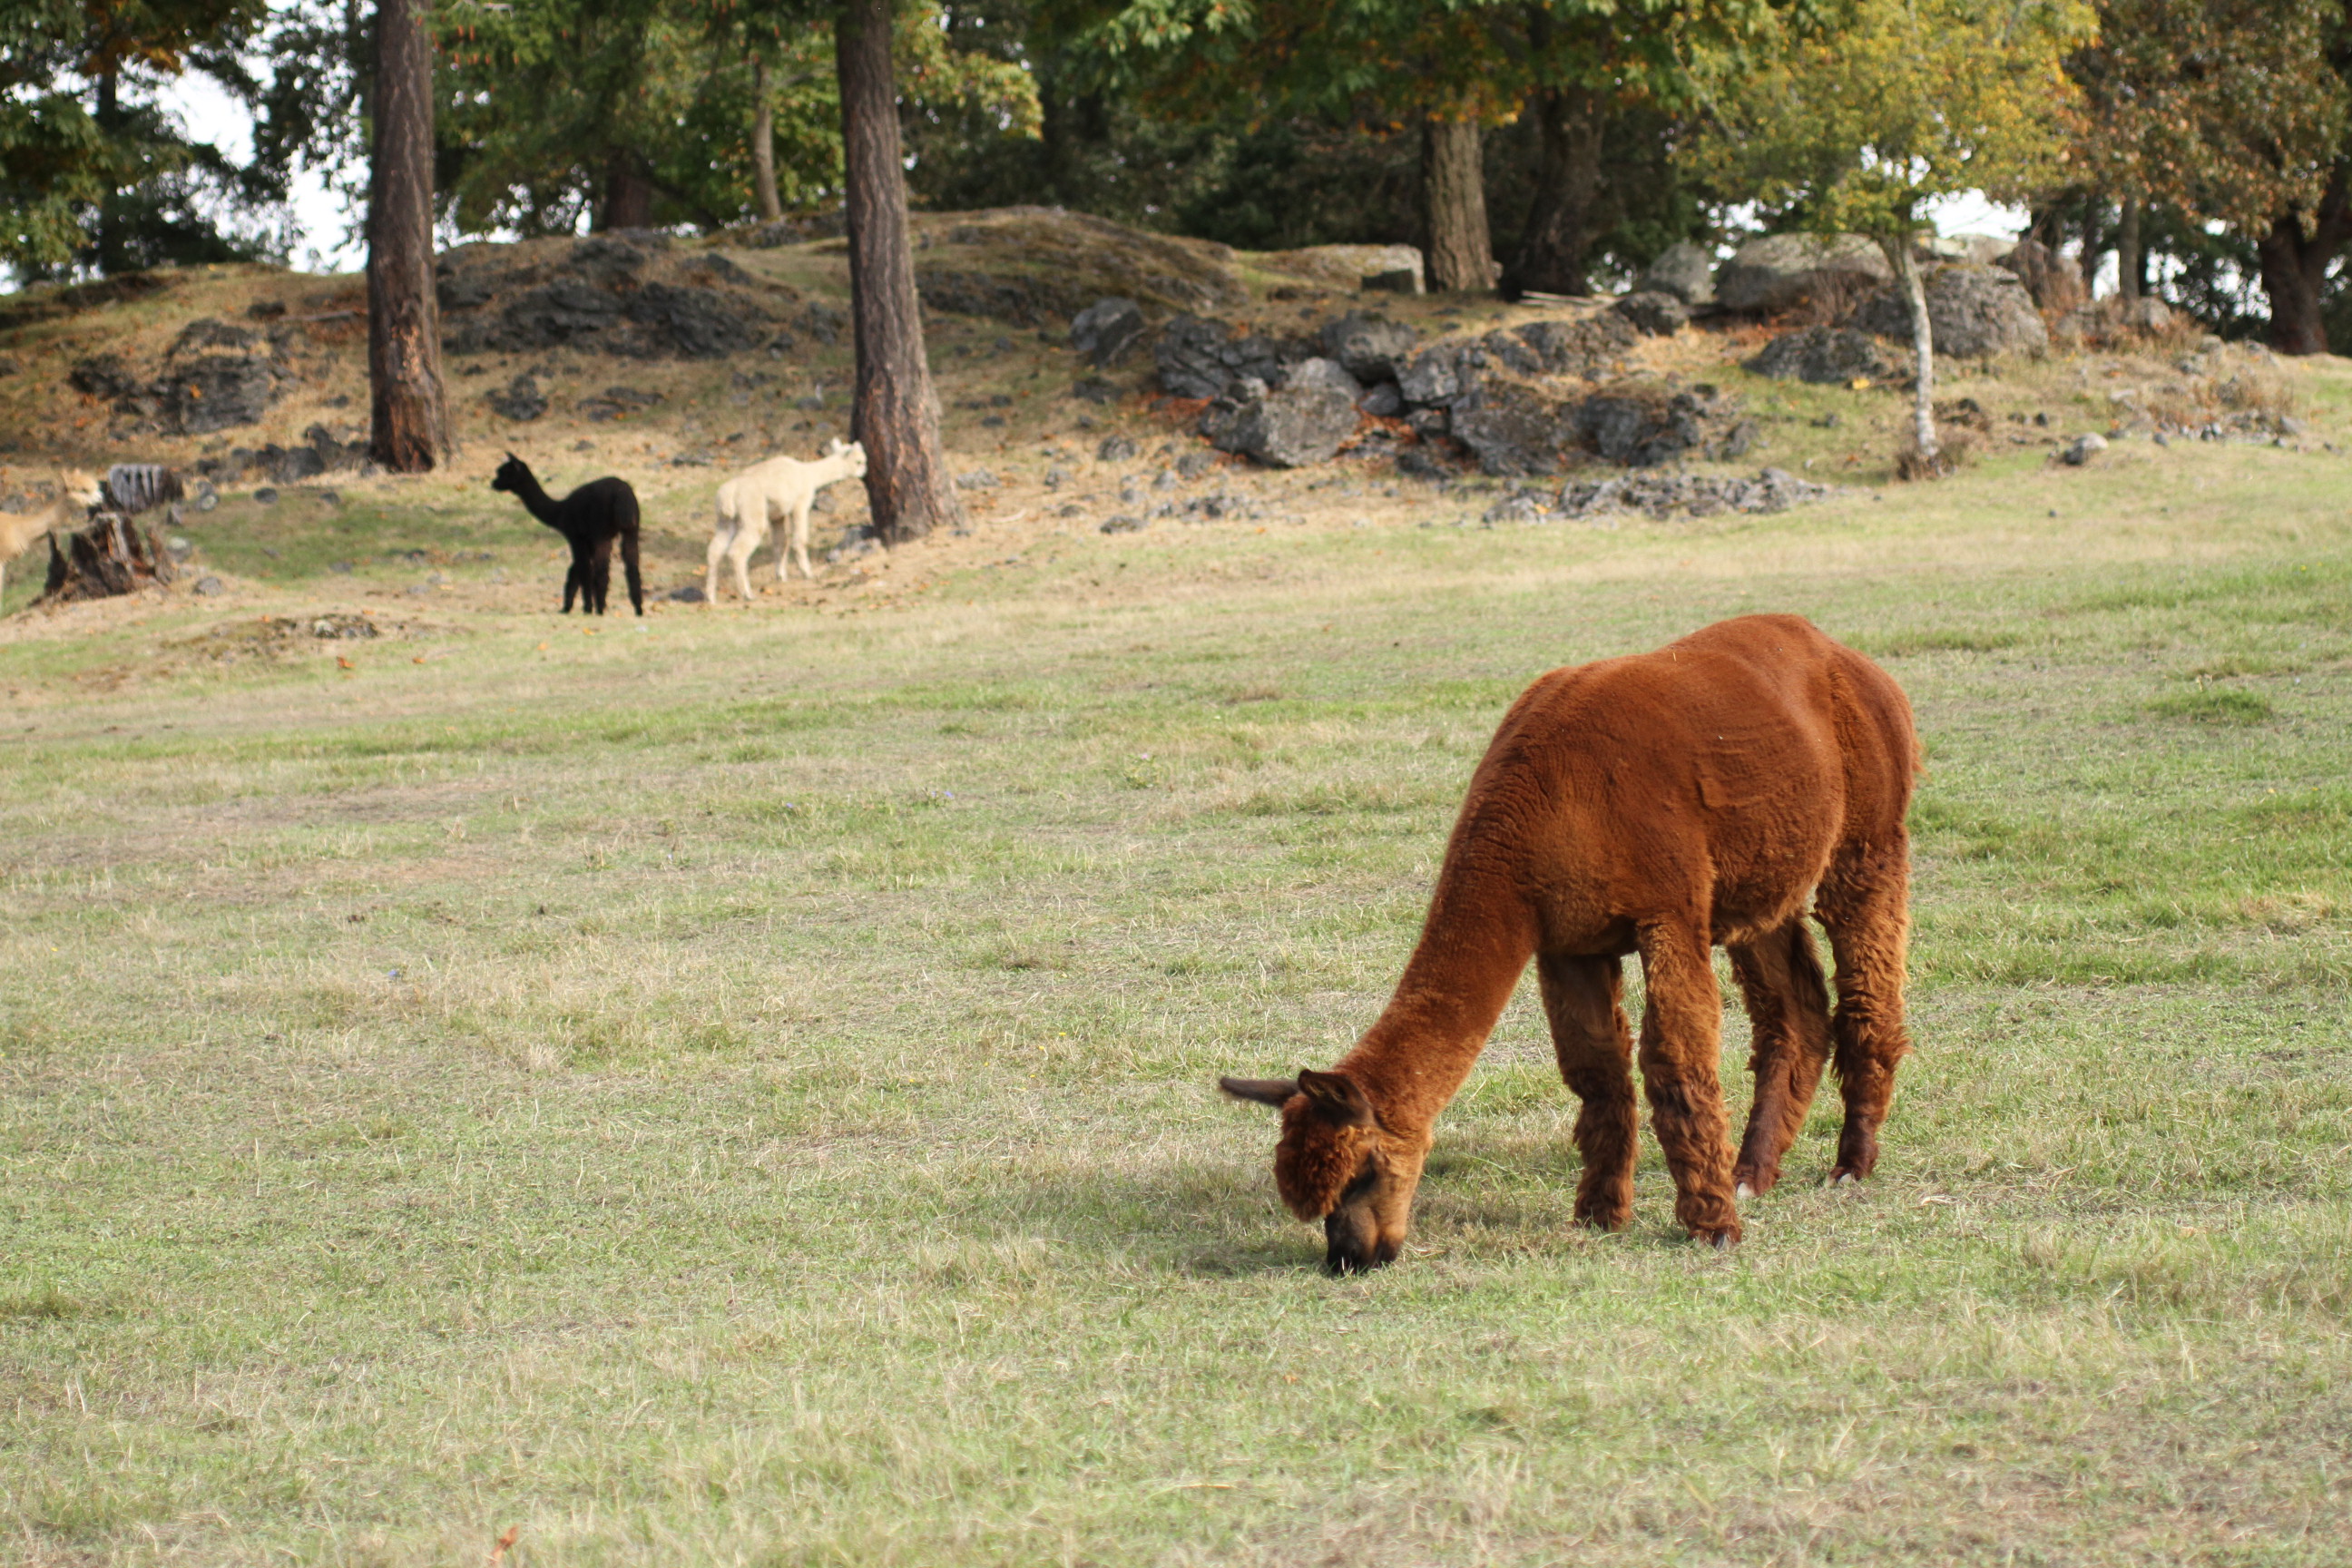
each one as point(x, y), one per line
point(1414, 1061)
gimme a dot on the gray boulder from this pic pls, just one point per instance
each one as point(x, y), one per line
point(1368, 348)
point(1300, 423)
point(1783, 271)
point(1642, 431)
point(1201, 358)
point(1683, 271)
point(1438, 376)
point(1514, 428)
point(1825, 356)
point(1656, 313)
point(520, 400)
point(1105, 330)
point(1975, 312)
point(1323, 373)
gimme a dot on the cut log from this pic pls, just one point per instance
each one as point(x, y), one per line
point(107, 557)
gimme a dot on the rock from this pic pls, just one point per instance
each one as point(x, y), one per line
point(2083, 448)
point(1642, 427)
point(1193, 464)
point(1201, 358)
point(264, 495)
point(1384, 401)
point(1116, 449)
point(1105, 330)
point(1682, 269)
point(1094, 389)
point(1347, 265)
point(691, 594)
point(1422, 462)
point(977, 479)
point(1783, 271)
point(211, 587)
point(626, 293)
point(1656, 313)
point(1325, 374)
point(104, 377)
point(1660, 495)
point(2146, 314)
point(1122, 523)
point(1438, 376)
point(1974, 313)
point(1522, 506)
point(1300, 423)
point(2051, 280)
point(1515, 428)
point(1825, 356)
point(1368, 348)
point(616, 402)
point(1589, 346)
point(519, 401)
point(1397, 280)
point(1975, 249)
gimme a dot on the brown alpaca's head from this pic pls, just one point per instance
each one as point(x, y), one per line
point(1338, 1165)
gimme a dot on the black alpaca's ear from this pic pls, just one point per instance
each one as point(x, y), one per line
point(1273, 1091)
point(1336, 1097)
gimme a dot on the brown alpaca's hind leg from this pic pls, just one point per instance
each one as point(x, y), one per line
point(1682, 1034)
point(1596, 1058)
point(1789, 1007)
point(1864, 903)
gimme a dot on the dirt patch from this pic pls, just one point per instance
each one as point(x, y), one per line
point(290, 637)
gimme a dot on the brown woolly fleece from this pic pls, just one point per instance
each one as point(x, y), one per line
point(1657, 805)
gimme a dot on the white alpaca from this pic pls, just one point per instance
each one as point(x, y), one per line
point(767, 493)
point(76, 493)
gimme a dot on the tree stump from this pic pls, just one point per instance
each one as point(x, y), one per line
point(109, 556)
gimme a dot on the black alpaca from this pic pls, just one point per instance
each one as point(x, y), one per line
point(591, 517)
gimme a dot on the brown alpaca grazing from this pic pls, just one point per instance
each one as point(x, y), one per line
point(1655, 805)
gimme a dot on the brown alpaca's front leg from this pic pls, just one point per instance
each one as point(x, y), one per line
point(1866, 905)
point(1789, 1007)
point(1581, 997)
point(1682, 1028)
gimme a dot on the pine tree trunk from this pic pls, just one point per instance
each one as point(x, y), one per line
point(628, 200)
point(2094, 243)
point(409, 424)
point(1923, 344)
point(2294, 268)
point(1460, 250)
point(895, 413)
point(2127, 253)
point(111, 257)
point(763, 145)
point(1568, 184)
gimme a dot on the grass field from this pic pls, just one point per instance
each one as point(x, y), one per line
point(738, 1088)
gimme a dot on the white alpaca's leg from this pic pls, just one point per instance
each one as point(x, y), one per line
point(720, 541)
point(800, 536)
point(747, 540)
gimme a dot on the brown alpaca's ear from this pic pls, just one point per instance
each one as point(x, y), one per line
point(1336, 1097)
point(1273, 1091)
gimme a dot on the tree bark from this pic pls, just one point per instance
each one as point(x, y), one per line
point(409, 430)
point(628, 195)
point(893, 412)
point(1568, 185)
point(1460, 250)
point(763, 143)
point(2128, 251)
point(110, 255)
point(1923, 344)
point(2295, 267)
point(2094, 243)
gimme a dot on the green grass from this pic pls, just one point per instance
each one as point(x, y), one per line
point(740, 1091)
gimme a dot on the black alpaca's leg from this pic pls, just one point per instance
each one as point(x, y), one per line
point(576, 580)
point(600, 573)
point(629, 565)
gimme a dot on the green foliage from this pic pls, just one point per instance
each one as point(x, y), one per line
point(1855, 116)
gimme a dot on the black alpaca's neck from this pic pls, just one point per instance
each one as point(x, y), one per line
point(535, 499)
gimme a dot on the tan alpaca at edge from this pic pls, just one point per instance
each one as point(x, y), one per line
point(767, 493)
point(76, 493)
point(1656, 805)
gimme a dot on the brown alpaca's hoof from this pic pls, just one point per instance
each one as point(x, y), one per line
point(1841, 1177)
point(1722, 1238)
point(1610, 1217)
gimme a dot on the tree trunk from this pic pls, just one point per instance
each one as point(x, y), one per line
point(111, 257)
point(763, 143)
point(1568, 184)
point(1923, 345)
point(2128, 250)
point(2295, 267)
point(894, 412)
point(409, 425)
point(1460, 250)
point(628, 195)
point(2094, 243)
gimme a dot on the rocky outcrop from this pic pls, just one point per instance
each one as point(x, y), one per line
point(520, 400)
point(1783, 271)
point(1367, 347)
point(632, 293)
point(1105, 330)
point(1654, 313)
point(1302, 421)
point(1201, 358)
point(1974, 313)
point(1826, 356)
point(216, 376)
point(1514, 428)
point(1662, 495)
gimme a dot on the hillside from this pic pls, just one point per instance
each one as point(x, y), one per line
point(672, 363)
